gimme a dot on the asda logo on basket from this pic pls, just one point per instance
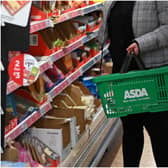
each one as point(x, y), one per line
point(135, 93)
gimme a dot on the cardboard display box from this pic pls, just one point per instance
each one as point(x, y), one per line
point(86, 91)
point(78, 113)
point(58, 133)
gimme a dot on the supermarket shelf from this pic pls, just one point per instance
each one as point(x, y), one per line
point(39, 25)
point(78, 12)
point(94, 143)
point(59, 54)
point(113, 136)
point(90, 36)
point(92, 8)
point(26, 123)
point(71, 78)
point(44, 65)
point(89, 143)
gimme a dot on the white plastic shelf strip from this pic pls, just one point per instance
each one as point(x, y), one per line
point(26, 123)
point(39, 25)
point(79, 12)
point(92, 8)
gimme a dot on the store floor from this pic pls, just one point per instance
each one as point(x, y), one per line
point(147, 159)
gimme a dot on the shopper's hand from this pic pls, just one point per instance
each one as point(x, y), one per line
point(133, 48)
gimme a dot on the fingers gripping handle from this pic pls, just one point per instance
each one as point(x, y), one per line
point(128, 60)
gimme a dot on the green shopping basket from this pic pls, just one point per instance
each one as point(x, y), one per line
point(134, 92)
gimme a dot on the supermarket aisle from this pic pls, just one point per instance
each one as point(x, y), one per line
point(147, 159)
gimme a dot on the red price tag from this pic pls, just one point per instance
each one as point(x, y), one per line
point(16, 68)
point(75, 76)
point(73, 46)
point(23, 69)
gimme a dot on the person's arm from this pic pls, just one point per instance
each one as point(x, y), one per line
point(159, 37)
point(103, 32)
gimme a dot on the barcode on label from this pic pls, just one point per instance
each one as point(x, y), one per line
point(34, 40)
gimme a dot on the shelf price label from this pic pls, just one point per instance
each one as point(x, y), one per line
point(45, 66)
point(76, 75)
point(46, 107)
point(12, 86)
point(57, 55)
point(87, 66)
point(24, 127)
point(73, 46)
point(41, 25)
point(75, 13)
point(24, 69)
point(58, 89)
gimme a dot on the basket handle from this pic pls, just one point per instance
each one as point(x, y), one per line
point(128, 60)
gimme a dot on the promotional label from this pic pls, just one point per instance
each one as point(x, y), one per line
point(15, 12)
point(24, 69)
point(14, 6)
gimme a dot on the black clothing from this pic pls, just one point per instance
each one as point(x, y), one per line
point(120, 31)
point(121, 36)
point(133, 138)
point(13, 38)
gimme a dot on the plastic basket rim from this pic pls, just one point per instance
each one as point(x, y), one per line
point(130, 74)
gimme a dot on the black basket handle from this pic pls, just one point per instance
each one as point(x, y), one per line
point(128, 60)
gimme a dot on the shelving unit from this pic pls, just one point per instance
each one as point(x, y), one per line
point(39, 25)
point(44, 65)
point(85, 150)
point(46, 62)
point(25, 124)
point(93, 140)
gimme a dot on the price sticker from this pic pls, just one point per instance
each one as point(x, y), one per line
point(24, 69)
